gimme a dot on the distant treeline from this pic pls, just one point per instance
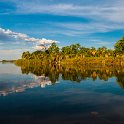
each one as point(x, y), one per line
point(76, 54)
point(4, 61)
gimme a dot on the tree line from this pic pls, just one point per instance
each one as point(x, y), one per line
point(74, 52)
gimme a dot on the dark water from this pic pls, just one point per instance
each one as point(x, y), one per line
point(31, 95)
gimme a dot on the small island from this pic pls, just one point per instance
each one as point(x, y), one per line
point(75, 54)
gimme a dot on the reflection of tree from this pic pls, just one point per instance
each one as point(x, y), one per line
point(75, 73)
point(49, 75)
point(120, 78)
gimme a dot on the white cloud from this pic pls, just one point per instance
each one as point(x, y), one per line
point(40, 47)
point(104, 15)
point(100, 43)
point(106, 10)
point(25, 37)
point(78, 29)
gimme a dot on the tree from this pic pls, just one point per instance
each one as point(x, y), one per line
point(26, 55)
point(84, 51)
point(93, 51)
point(53, 48)
point(101, 51)
point(66, 50)
point(119, 45)
point(75, 48)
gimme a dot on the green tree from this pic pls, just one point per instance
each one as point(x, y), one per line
point(66, 50)
point(75, 48)
point(119, 45)
point(53, 48)
point(26, 55)
point(101, 51)
point(84, 51)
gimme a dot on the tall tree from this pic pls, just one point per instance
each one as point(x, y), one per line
point(26, 55)
point(53, 48)
point(119, 45)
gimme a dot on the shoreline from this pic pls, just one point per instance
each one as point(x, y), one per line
point(4, 61)
point(117, 61)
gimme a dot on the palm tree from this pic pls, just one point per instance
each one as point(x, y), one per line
point(26, 55)
point(119, 45)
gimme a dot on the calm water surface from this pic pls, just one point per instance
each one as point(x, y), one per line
point(33, 96)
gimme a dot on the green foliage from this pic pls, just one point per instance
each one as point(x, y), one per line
point(74, 53)
point(119, 45)
point(26, 55)
point(53, 48)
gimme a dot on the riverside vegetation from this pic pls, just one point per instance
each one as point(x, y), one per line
point(76, 63)
point(75, 54)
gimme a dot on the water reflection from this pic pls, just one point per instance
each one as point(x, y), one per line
point(76, 74)
point(42, 76)
point(84, 94)
point(19, 85)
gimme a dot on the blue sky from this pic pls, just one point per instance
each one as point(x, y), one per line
point(23, 24)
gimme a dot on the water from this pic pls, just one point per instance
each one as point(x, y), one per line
point(44, 95)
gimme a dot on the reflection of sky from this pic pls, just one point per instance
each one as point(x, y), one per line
point(10, 83)
point(12, 80)
point(9, 69)
point(10, 76)
point(66, 102)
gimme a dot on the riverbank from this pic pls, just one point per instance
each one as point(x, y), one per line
point(101, 61)
point(4, 61)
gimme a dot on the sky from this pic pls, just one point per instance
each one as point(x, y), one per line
point(25, 24)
